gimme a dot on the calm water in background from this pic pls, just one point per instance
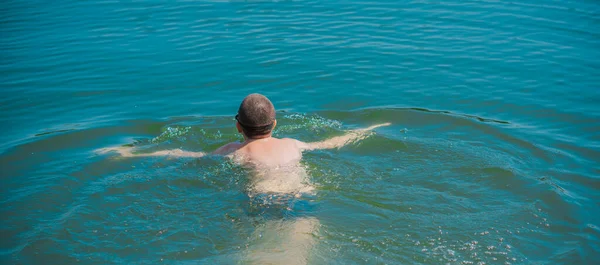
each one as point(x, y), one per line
point(492, 157)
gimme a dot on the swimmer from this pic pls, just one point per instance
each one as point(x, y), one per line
point(267, 155)
point(277, 171)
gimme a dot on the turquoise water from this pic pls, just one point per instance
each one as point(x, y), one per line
point(491, 158)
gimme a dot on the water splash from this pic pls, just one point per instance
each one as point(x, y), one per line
point(293, 123)
point(176, 132)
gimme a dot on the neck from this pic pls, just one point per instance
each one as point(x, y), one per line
point(259, 137)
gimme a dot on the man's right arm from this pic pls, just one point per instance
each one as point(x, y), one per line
point(338, 141)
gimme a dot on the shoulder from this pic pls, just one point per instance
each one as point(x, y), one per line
point(289, 140)
point(228, 148)
point(299, 144)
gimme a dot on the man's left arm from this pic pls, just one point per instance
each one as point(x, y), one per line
point(126, 151)
point(227, 149)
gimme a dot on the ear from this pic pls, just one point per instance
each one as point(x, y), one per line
point(274, 125)
point(239, 127)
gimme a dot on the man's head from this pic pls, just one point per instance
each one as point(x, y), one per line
point(256, 116)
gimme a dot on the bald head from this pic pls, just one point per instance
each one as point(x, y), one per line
point(256, 115)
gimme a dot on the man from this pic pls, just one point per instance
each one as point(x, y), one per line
point(272, 159)
point(277, 173)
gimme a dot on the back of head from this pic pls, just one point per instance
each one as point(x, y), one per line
point(256, 115)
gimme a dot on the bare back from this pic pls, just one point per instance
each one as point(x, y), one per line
point(269, 152)
point(276, 165)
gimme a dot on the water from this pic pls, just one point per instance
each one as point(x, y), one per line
point(492, 156)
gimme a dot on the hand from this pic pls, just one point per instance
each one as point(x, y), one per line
point(375, 126)
point(365, 132)
point(124, 151)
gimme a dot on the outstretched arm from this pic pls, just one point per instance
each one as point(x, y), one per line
point(125, 151)
point(339, 141)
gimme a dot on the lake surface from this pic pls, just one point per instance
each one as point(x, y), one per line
point(492, 156)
